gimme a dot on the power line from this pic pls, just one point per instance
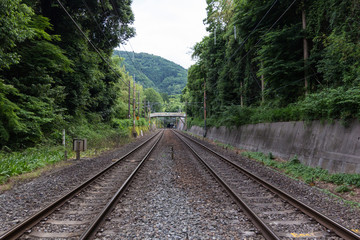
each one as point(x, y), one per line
point(127, 53)
point(93, 46)
point(117, 13)
point(135, 58)
point(107, 39)
point(283, 86)
point(98, 25)
point(257, 25)
point(269, 29)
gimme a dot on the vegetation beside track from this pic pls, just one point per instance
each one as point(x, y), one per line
point(345, 183)
point(251, 66)
point(329, 105)
point(101, 137)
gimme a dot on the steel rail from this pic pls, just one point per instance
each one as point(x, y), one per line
point(18, 230)
point(311, 212)
point(92, 229)
point(255, 219)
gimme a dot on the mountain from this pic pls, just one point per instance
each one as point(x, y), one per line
point(155, 72)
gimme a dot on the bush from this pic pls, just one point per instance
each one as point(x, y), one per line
point(294, 168)
point(99, 136)
point(342, 189)
point(16, 163)
point(331, 104)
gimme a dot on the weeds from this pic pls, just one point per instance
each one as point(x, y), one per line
point(308, 174)
point(17, 163)
point(100, 137)
point(342, 189)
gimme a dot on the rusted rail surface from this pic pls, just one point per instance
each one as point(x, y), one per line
point(92, 229)
point(330, 224)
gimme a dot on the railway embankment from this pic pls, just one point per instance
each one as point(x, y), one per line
point(331, 146)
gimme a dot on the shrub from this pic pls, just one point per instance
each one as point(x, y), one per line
point(342, 189)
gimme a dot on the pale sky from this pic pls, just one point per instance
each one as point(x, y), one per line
point(168, 28)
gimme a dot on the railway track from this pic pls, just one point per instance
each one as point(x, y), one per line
point(275, 213)
point(78, 213)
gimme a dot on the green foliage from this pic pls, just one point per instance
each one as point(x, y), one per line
point(156, 72)
point(14, 28)
point(339, 103)
point(9, 119)
point(308, 174)
point(195, 122)
point(17, 163)
point(342, 189)
point(233, 67)
point(294, 160)
point(155, 99)
point(99, 136)
point(50, 75)
point(173, 103)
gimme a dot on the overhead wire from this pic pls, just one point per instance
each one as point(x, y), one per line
point(134, 57)
point(91, 43)
point(269, 29)
point(283, 86)
point(127, 53)
point(107, 39)
point(272, 26)
point(257, 25)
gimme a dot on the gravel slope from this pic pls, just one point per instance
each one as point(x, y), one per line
point(25, 198)
point(332, 207)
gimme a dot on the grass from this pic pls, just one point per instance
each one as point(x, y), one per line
point(30, 175)
point(347, 202)
point(30, 162)
point(16, 163)
point(308, 174)
point(223, 145)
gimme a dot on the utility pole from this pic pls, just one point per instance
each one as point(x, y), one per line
point(138, 103)
point(262, 85)
point(241, 95)
point(134, 106)
point(306, 48)
point(129, 102)
point(186, 116)
point(149, 111)
point(144, 106)
point(205, 108)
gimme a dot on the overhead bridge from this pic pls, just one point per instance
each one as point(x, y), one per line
point(168, 114)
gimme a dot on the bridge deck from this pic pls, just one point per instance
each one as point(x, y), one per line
point(167, 114)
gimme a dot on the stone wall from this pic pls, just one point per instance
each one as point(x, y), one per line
point(330, 146)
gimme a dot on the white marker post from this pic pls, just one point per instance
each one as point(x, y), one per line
point(64, 144)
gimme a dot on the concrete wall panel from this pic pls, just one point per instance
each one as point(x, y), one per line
point(330, 146)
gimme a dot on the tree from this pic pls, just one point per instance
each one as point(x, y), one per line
point(155, 99)
point(257, 45)
point(14, 28)
point(50, 74)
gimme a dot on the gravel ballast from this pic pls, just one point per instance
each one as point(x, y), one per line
point(170, 199)
point(176, 199)
point(26, 198)
point(332, 207)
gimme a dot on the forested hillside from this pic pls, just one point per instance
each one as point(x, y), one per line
point(155, 72)
point(55, 76)
point(277, 61)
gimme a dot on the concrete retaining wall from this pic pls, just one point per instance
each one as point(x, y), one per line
point(330, 146)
